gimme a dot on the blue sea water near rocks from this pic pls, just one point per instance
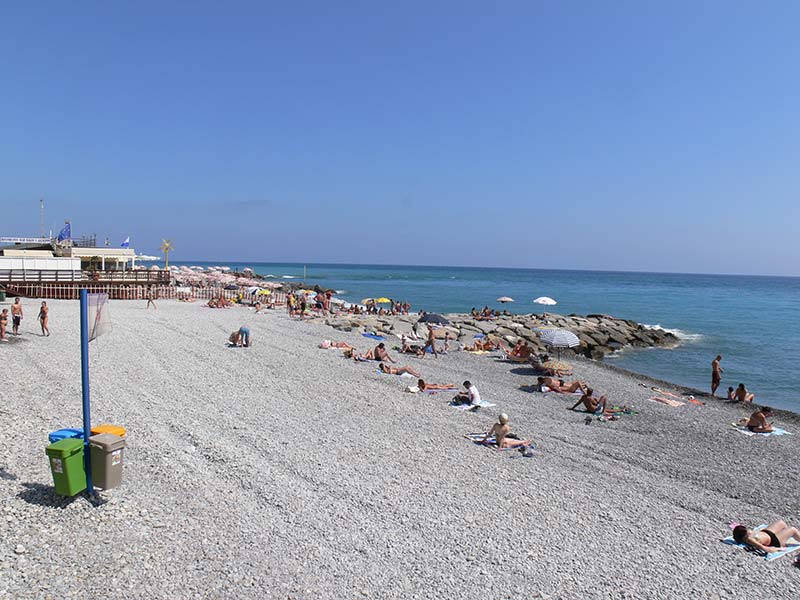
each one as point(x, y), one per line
point(753, 321)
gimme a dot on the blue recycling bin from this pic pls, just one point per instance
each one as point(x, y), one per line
point(63, 434)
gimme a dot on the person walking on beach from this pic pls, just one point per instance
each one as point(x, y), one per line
point(430, 342)
point(44, 318)
point(150, 299)
point(716, 375)
point(3, 325)
point(16, 316)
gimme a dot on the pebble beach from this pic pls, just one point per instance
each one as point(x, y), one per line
point(287, 471)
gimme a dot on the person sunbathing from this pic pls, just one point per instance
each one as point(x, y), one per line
point(485, 344)
point(593, 405)
point(501, 431)
point(406, 348)
point(757, 423)
point(326, 344)
point(398, 370)
point(521, 352)
point(742, 395)
point(772, 539)
point(434, 386)
point(380, 353)
point(559, 385)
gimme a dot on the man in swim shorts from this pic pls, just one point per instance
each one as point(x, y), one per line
point(16, 316)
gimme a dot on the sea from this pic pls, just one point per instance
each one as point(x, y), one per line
point(752, 321)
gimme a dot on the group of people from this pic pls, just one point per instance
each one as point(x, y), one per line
point(487, 314)
point(740, 394)
point(17, 313)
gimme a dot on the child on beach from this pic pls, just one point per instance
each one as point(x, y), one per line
point(772, 539)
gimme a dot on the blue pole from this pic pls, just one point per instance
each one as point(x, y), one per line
point(87, 414)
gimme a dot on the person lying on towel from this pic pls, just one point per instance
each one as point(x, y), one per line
point(397, 371)
point(772, 539)
point(500, 431)
point(593, 405)
point(434, 386)
point(559, 385)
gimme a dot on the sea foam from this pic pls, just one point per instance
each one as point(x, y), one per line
point(679, 333)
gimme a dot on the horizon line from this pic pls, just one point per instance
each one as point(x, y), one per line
point(345, 264)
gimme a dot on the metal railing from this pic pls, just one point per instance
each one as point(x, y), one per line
point(55, 276)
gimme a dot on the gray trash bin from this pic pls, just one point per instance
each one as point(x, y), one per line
point(107, 450)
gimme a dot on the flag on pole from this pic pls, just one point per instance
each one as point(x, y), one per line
point(126, 243)
point(98, 316)
point(65, 233)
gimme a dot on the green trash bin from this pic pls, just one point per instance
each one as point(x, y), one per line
point(2, 295)
point(66, 464)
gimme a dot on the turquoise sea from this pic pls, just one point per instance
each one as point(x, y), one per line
point(754, 322)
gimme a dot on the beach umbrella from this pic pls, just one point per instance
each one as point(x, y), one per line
point(504, 299)
point(382, 300)
point(559, 338)
point(433, 318)
point(545, 300)
point(264, 292)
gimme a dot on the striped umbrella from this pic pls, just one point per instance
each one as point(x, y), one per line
point(559, 338)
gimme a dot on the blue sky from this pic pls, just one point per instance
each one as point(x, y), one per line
point(590, 135)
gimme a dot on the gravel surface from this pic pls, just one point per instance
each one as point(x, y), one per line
point(287, 471)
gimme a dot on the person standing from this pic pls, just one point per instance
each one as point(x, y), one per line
point(16, 315)
point(716, 375)
point(430, 342)
point(44, 318)
point(3, 325)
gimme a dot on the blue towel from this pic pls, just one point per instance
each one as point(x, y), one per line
point(373, 336)
point(769, 555)
point(479, 335)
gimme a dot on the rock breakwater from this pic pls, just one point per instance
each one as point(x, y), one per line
point(599, 335)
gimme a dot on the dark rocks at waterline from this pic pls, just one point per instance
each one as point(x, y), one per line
point(599, 335)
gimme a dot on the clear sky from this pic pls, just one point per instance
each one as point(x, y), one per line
point(661, 136)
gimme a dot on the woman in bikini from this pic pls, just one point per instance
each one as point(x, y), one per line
point(44, 318)
point(772, 539)
point(434, 386)
point(398, 371)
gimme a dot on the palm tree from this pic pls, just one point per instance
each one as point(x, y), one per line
point(166, 247)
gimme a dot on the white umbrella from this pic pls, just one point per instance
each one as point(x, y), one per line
point(504, 299)
point(545, 300)
point(559, 338)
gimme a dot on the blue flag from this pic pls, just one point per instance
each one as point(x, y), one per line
point(126, 243)
point(65, 233)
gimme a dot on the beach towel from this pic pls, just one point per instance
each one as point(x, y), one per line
point(481, 404)
point(775, 431)
point(476, 351)
point(793, 546)
point(478, 336)
point(373, 336)
point(667, 401)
